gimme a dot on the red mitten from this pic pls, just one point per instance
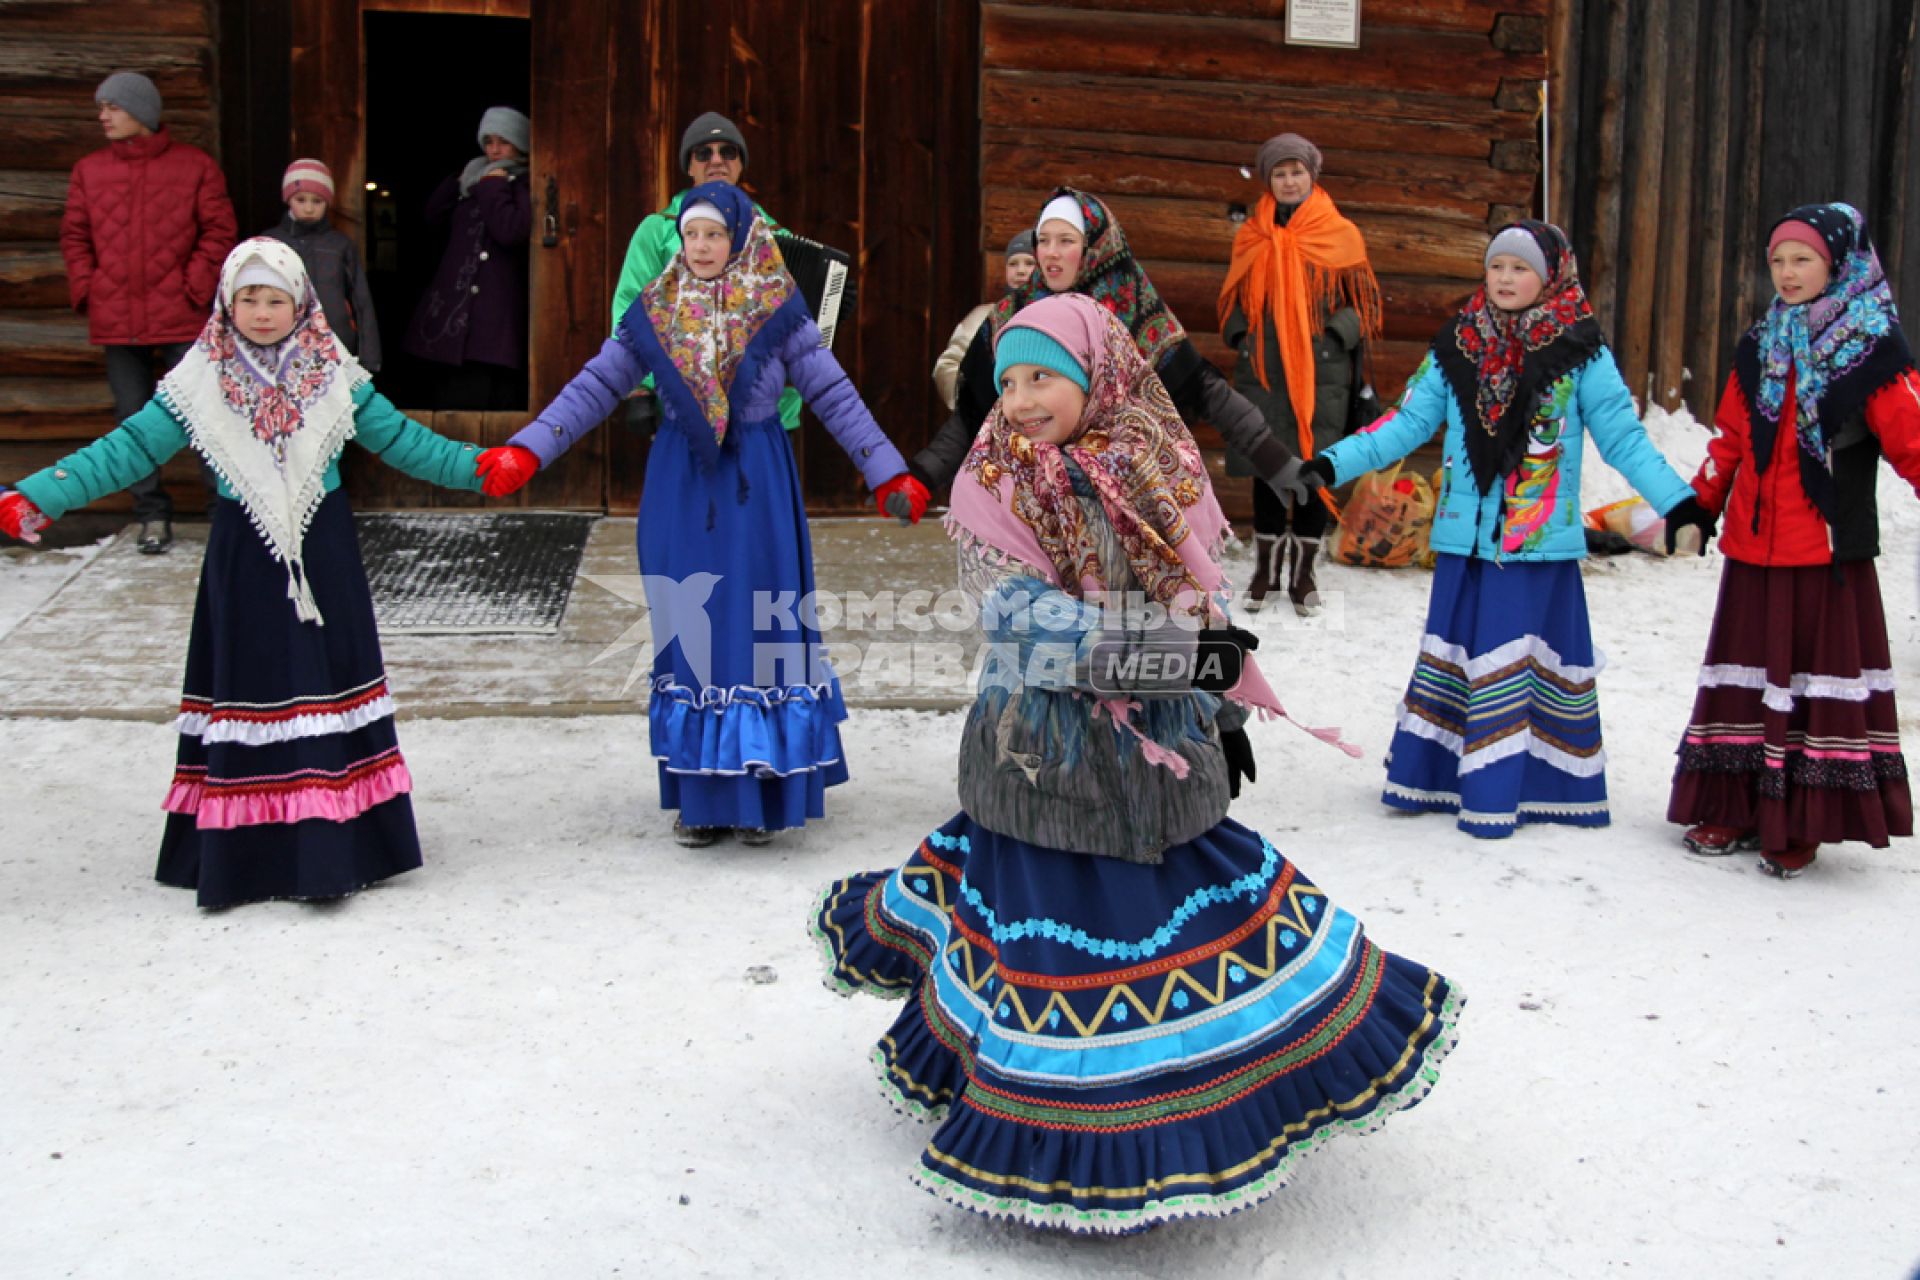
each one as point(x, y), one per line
point(506, 470)
point(902, 496)
point(19, 518)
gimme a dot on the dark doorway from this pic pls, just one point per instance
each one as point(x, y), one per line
point(430, 77)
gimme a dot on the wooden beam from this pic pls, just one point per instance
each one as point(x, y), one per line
point(1714, 109)
point(35, 276)
point(52, 136)
point(1674, 318)
point(1251, 52)
point(46, 343)
point(1563, 102)
point(1603, 263)
point(31, 205)
point(1207, 169)
point(1247, 114)
point(69, 17)
point(1375, 15)
point(66, 70)
point(1646, 126)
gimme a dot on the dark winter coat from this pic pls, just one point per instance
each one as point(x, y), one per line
point(1332, 381)
point(147, 225)
point(477, 307)
point(333, 264)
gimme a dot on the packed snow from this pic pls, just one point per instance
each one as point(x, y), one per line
point(551, 1051)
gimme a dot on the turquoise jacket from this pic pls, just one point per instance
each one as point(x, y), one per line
point(1535, 513)
point(140, 444)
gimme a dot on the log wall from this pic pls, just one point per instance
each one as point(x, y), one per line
point(1429, 132)
point(53, 384)
point(1683, 128)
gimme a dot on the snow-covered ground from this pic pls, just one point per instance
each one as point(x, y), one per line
point(542, 1055)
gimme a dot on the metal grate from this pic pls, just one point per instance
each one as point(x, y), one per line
point(504, 573)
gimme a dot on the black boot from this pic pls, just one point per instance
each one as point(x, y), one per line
point(1301, 588)
point(1266, 569)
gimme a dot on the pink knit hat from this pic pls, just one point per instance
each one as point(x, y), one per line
point(309, 176)
point(1801, 233)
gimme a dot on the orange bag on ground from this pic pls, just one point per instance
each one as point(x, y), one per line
point(1387, 521)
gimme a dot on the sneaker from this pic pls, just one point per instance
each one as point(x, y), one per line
point(695, 837)
point(155, 537)
point(1710, 841)
point(754, 836)
point(1790, 865)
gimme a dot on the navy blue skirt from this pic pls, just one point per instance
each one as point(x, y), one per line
point(745, 711)
point(1501, 720)
point(1106, 1045)
point(288, 781)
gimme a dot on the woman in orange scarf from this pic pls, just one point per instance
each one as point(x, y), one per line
point(1299, 300)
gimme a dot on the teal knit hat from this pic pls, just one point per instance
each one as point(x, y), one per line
point(1022, 344)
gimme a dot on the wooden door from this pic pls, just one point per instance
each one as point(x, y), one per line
point(567, 283)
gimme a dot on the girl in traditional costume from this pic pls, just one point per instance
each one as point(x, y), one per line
point(745, 710)
point(1794, 740)
point(289, 781)
point(1123, 1007)
point(1501, 721)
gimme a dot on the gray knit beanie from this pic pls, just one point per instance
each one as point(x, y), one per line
point(507, 125)
point(1288, 146)
point(1519, 242)
point(134, 94)
point(1022, 243)
point(711, 127)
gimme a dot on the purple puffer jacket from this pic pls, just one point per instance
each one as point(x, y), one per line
point(477, 307)
point(598, 389)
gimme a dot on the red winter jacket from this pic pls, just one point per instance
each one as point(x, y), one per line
point(147, 226)
point(1789, 529)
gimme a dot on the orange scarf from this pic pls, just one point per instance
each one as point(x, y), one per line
point(1298, 274)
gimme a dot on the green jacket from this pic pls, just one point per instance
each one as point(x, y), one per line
point(655, 242)
point(139, 445)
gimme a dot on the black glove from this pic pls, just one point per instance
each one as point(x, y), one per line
point(1219, 656)
point(1688, 511)
point(1317, 473)
point(1238, 750)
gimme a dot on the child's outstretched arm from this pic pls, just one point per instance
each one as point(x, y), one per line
point(136, 448)
point(1727, 449)
point(1894, 415)
point(410, 447)
point(583, 404)
point(1606, 407)
point(1422, 411)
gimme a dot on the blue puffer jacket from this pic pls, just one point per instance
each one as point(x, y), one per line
point(1535, 514)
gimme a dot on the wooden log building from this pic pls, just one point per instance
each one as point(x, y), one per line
point(917, 134)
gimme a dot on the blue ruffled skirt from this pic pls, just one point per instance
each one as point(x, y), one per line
point(1106, 1045)
point(1501, 719)
point(745, 711)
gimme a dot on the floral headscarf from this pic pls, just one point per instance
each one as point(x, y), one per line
point(1134, 451)
point(1838, 349)
point(1112, 277)
point(269, 420)
point(701, 338)
point(1499, 363)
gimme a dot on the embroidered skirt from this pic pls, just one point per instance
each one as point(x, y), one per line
point(1501, 720)
point(288, 781)
point(1105, 1045)
point(1794, 732)
point(745, 711)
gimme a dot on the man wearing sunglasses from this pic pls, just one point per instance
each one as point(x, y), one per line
point(711, 150)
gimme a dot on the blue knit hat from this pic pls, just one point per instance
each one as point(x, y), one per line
point(1021, 344)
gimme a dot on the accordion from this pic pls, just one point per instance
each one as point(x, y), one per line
point(825, 277)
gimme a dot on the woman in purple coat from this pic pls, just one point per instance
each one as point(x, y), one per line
point(473, 321)
point(745, 710)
